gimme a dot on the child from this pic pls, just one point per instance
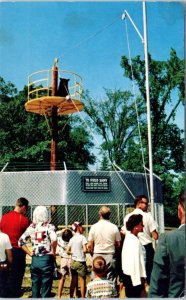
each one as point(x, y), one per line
point(100, 286)
point(77, 247)
point(62, 242)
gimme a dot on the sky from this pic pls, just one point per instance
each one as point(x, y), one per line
point(88, 38)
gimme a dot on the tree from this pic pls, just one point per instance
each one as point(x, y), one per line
point(114, 119)
point(105, 164)
point(7, 90)
point(25, 137)
point(173, 186)
point(165, 78)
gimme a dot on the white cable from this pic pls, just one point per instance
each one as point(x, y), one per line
point(49, 128)
point(92, 35)
point(4, 167)
point(114, 165)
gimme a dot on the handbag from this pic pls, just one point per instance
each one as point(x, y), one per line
point(56, 273)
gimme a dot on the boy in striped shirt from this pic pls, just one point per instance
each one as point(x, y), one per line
point(100, 287)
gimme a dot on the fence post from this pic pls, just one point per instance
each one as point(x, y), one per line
point(86, 206)
point(118, 215)
point(66, 215)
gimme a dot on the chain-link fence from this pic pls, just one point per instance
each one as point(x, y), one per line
point(64, 215)
point(75, 187)
point(78, 195)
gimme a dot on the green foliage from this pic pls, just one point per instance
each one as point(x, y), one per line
point(7, 90)
point(105, 164)
point(115, 120)
point(165, 79)
point(133, 157)
point(172, 188)
point(26, 138)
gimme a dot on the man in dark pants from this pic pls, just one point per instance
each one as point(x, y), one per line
point(14, 224)
point(168, 274)
point(149, 231)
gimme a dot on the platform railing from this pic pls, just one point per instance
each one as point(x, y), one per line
point(40, 84)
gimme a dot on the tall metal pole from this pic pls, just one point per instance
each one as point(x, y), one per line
point(148, 110)
point(144, 41)
point(53, 157)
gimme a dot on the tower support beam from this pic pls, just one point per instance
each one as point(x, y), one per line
point(53, 155)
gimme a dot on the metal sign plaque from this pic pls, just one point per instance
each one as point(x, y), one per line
point(96, 184)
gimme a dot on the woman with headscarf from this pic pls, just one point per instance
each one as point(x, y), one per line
point(133, 264)
point(44, 242)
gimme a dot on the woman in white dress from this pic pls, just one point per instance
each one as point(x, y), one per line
point(133, 264)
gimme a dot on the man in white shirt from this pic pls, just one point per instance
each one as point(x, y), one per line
point(5, 261)
point(149, 231)
point(103, 240)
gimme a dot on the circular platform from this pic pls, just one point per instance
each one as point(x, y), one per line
point(43, 105)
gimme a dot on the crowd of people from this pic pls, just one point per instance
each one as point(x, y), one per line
point(133, 257)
